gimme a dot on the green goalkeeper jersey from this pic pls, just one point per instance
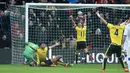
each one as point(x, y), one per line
point(28, 51)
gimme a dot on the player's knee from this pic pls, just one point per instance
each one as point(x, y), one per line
point(58, 57)
point(31, 64)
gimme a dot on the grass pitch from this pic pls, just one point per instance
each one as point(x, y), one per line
point(79, 68)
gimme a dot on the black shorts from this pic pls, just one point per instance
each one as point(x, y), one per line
point(48, 62)
point(81, 45)
point(113, 49)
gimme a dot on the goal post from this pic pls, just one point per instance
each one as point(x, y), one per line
point(46, 22)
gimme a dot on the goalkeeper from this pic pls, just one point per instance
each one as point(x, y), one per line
point(29, 54)
point(42, 56)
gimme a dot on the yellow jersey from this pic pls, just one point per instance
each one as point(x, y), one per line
point(116, 33)
point(81, 33)
point(41, 54)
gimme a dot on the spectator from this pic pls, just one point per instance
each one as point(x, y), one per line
point(65, 1)
point(101, 1)
point(70, 42)
point(12, 2)
point(120, 1)
point(111, 1)
point(90, 1)
point(43, 1)
point(18, 2)
point(127, 1)
point(83, 1)
point(74, 1)
point(62, 1)
point(54, 1)
point(4, 40)
point(32, 16)
point(1, 19)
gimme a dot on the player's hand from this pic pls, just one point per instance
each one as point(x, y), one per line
point(98, 14)
point(57, 43)
point(71, 17)
point(85, 15)
point(126, 22)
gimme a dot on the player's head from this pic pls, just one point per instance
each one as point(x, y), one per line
point(116, 21)
point(79, 24)
point(42, 45)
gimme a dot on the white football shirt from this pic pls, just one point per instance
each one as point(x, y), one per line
point(127, 32)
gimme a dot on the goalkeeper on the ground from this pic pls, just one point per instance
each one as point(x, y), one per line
point(29, 54)
point(42, 59)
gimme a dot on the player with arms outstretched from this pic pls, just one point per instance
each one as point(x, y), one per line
point(116, 32)
point(81, 35)
point(42, 56)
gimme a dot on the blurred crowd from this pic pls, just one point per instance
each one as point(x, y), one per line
point(20, 2)
point(4, 30)
point(53, 22)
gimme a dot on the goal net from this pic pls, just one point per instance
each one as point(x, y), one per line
point(48, 23)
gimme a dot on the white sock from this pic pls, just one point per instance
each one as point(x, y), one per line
point(61, 59)
point(128, 63)
point(125, 60)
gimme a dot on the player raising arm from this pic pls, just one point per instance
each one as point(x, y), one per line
point(115, 31)
point(81, 36)
point(126, 42)
point(124, 47)
point(42, 56)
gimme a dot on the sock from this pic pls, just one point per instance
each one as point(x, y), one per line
point(128, 63)
point(91, 57)
point(104, 64)
point(125, 58)
point(76, 56)
point(61, 59)
point(60, 63)
point(121, 61)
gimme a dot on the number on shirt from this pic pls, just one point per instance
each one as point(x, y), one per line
point(116, 32)
point(82, 34)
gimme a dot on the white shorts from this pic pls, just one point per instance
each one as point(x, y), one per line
point(125, 46)
point(128, 49)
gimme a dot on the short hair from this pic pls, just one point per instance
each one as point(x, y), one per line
point(41, 43)
point(116, 21)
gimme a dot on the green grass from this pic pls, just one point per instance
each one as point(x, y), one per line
point(80, 68)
